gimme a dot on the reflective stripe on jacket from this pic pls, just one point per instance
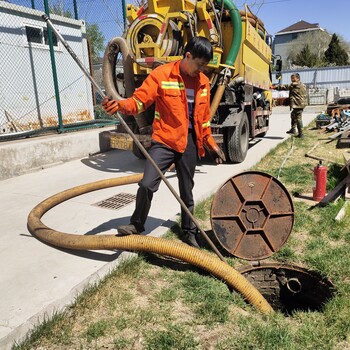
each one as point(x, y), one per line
point(165, 87)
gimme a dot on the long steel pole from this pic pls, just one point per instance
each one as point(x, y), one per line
point(54, 71)
point(135, 139)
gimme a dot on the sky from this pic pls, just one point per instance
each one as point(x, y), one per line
point(332, 15)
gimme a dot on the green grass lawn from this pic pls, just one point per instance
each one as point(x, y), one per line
point(154, 303)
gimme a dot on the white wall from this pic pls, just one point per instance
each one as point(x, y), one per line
point(26, 81)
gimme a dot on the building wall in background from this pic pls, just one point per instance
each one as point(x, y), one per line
point(27, 94)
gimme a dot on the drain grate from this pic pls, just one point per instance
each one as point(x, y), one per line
point(116, 202)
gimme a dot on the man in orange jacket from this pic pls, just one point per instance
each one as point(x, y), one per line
point(181, 129)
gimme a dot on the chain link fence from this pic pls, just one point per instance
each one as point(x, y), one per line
point(41, 86)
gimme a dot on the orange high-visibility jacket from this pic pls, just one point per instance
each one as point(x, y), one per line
point(165, 87)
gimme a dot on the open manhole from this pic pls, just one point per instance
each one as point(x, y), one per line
point(116, 202)
point(252, 217)
point(290, 288)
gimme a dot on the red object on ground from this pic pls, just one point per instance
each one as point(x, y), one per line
point(320, 177)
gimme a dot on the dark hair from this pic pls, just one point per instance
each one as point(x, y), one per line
point(297, 75)
point(199, 47)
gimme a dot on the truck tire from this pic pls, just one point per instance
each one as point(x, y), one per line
point(237, 140)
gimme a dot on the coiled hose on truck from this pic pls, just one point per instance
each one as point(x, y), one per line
point(161, 246)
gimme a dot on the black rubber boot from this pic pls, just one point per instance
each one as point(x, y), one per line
point(300, 129)
point(190, 239)
point(127, 230)
point(292, 131)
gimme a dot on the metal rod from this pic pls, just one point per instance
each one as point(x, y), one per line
point(54, 70)
point(75, 9)
point(124, 16)
point(72, 53)
point(308, 155)
point(135, 139)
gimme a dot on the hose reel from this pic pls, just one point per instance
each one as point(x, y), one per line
point(142, 37)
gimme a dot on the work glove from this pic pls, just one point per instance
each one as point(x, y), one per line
point(110, 106)
point(214, 150)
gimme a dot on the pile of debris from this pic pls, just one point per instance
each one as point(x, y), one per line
point(336, 123)
point(337, 119)
point(342, 189)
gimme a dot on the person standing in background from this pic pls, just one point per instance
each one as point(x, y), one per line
point(297, 103)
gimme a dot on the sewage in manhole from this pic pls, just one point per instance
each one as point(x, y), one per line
point(290, 288)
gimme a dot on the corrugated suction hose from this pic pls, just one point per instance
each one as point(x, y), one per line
point(161, 246)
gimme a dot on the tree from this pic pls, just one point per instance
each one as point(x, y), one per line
point(317, 43)
point(335, 54)
point(306, 58)
point(96, 40)
point(344, 44)
point(59, 10)
point(94, 35)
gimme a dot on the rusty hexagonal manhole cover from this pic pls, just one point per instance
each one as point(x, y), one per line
point(252, 215)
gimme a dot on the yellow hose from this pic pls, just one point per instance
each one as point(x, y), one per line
point(161, 246)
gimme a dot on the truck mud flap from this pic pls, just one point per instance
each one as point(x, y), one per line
point(234, 118)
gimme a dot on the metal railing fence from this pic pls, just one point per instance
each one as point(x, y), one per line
point(41, 87)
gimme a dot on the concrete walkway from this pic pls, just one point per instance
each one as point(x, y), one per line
point(36, 279)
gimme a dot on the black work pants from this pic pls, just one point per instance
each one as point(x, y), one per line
point(185, 164)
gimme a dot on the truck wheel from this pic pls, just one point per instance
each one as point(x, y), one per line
point(237, 140)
